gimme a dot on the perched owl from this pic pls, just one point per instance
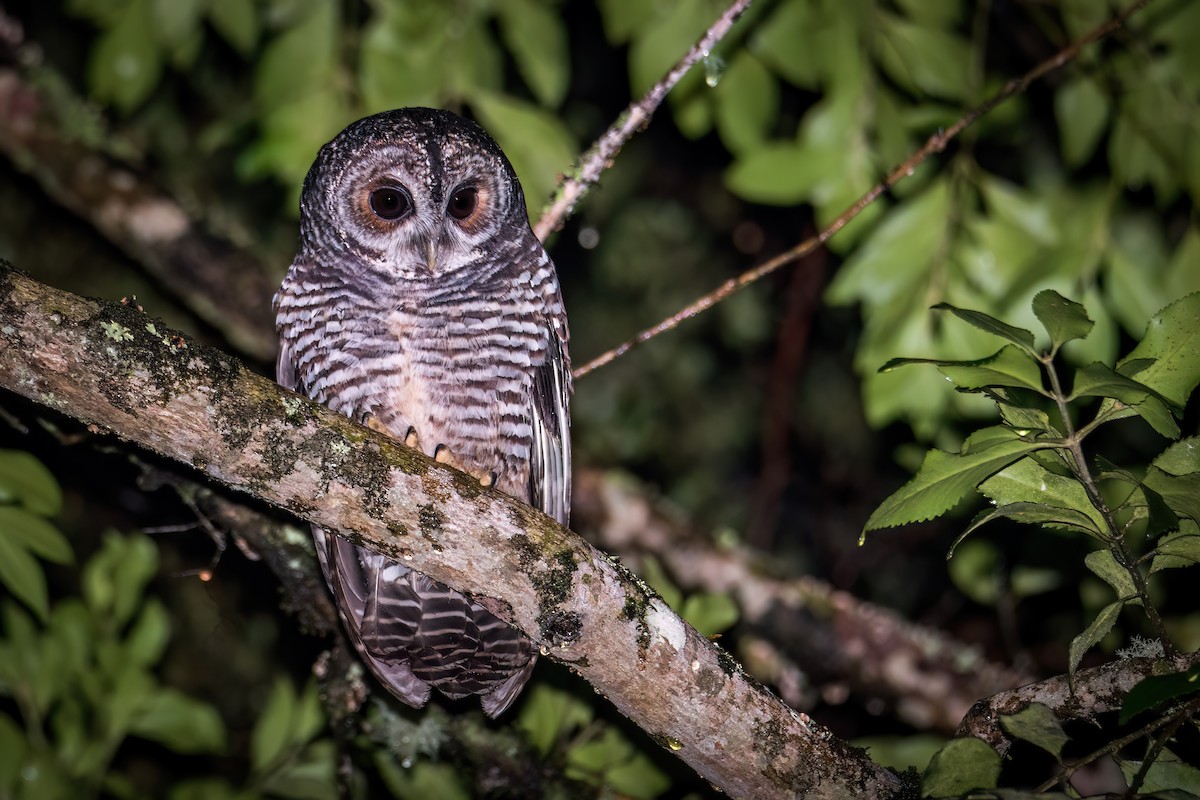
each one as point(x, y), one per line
point(422, 304)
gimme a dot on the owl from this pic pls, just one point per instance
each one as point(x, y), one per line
point(421, 304)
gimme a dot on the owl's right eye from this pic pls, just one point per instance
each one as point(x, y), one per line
point(390, 202)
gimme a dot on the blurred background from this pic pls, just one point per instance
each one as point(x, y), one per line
point(761, 426)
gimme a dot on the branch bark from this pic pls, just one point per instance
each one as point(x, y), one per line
point(114, 367)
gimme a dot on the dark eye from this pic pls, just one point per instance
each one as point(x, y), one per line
point(463, 202)
point(390, 202)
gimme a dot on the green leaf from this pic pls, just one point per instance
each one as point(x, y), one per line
point(26, 481)
point(182, 723)
point(1037, 725)
point(1056, 517)
point(1097, 630)
point(1081, 109)
point(1104, 565)
point(976, 571)
point(147, 639)
point(299, 61)
point(272, 732)
point(126, 64)
point(1100, 380)
point(1181, 550)
point(236, 22)
point(22, 575)
point(537, 38)
point(204, 789)
point(778, 42)
point(1009, 367)
point(1063, 319)
point(175, 21)
point(612, 760)
point(1180, 492)
point(13, 754)
point(775, 173)
point(960, 766)
point(1180, 458)
point(710, 612)
point(923, 59)
point(985, 322)
point(945, 478)
point(311, 776)
point(35, 534)
point(310, 714)
point(1173, 340)
point(535, 140)
point(1027, 481)
point(1157, 690)
point(747, 103)
point(1169, 777)
point(549, 714)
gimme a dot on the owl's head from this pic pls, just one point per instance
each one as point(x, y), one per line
point(416, 194)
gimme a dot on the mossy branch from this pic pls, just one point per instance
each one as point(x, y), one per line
point(116, 368)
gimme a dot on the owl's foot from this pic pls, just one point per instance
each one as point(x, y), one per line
point(411, 439)
point(442, 455)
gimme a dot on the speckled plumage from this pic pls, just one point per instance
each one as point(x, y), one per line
point(450, 327)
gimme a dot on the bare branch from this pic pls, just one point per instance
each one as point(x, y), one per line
point(116, 368)
point(601, 154)
point(835, 638)
point(935, 144)
point(41, 134)
point(1099, 690)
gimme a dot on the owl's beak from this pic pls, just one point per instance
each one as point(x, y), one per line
point(431, 255)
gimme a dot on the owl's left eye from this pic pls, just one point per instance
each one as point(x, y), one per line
point(462, 203)
point(390, 202)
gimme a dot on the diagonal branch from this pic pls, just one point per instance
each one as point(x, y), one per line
point(935, 144)
point(113, 367)
point(601, 154)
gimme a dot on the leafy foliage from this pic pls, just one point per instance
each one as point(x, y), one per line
point(1033, 469)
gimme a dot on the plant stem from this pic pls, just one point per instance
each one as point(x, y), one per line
point(1116, 541)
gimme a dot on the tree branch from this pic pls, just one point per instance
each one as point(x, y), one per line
point(834, 637)
point(636, 117)
point(114, 367)
point(935, 144)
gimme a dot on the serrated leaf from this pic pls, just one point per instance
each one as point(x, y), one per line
point(549, 714)
point(1100, 380)
point(1037, 725)
point(1182, 550)
point(1063, 319)
point(22, 575)
point(710, 612)
point(1168, 778)
point(1104, 565)
point(1097, 630)
point(989, 324)
point(1056, 517)
point(537, 38)
point(273, 729)
point(1008, 366)
point(182, 723)
point(1180, 458)
point(1027, 481)
point(1157, 690)
point(1180, 492)
point(25, 481)
point(1173, 340)
point(945, 478)
point(961, 765)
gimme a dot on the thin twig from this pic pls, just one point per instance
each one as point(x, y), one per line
point(935, 144)
point(636, 117)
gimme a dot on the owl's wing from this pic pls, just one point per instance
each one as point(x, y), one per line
point(550, 461)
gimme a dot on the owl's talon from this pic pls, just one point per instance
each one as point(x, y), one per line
point(410, 438)
point(442, 455)
point(374, 424)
